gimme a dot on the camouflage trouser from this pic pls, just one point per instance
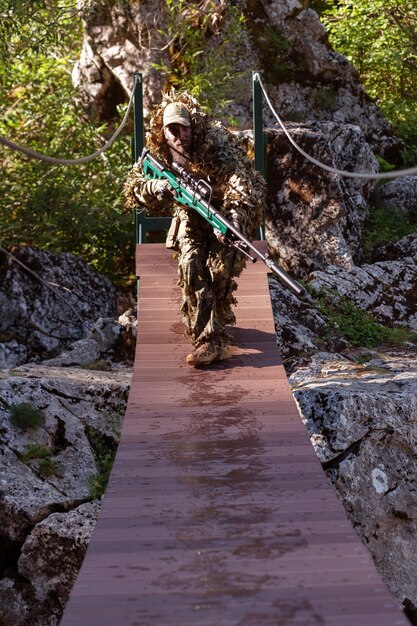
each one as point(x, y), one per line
point(206, 270)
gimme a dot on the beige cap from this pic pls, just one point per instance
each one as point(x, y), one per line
point(177, 113)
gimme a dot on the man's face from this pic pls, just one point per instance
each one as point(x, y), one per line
point(179, 137)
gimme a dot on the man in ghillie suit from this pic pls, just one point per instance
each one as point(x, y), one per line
point(180, 131)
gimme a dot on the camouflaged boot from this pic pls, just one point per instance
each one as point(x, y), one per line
point(203, 355)
point(207, 353)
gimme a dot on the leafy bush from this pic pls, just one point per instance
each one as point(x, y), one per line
point(105, 454)
point(358, 327)
point(379, 39)
point(386, 225)
point(25, 415)
point(75, 208)
point(48, 467)
point(205, 59)
point(35, 451)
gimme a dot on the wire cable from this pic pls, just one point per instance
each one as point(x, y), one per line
point(57, 161)
point(393, 174)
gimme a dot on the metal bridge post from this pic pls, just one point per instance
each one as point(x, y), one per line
point(138, 116)
point(138, 143)
point(259, 137)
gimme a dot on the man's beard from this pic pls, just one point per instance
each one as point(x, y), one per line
point(183, 155)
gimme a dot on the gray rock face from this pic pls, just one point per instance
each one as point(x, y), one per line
point(399, 194)
point(300, 328)
point(312, 82)
point(118, 42)
point(404, 249)
point(362, 422)
point(52, 554)
point(314, 218)
point(40, 319)
point(320, 84)
point(387, 289)
point(48, 565)
point(47, 510)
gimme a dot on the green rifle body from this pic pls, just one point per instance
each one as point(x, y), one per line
point(196, 195)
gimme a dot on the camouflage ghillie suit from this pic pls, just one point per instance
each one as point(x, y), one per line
point(206, 267)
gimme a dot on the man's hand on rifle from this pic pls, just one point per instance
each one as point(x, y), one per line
point(224, 238)
point(155, 191)
point(163, 190)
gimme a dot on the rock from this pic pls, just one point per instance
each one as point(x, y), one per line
point(314, 218)
point(53, 552)
point(43, 314)
point(49, 563)
point(387, 290)
point(103, 337)
point(127, 344)
point(25, 499)
point(362, 421)
point(405, 249)
point(399, 194)
point(46, 512)
point(301, 330)
point(311, 81)
point(118, 42)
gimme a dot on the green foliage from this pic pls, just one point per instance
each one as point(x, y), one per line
point(358, 327)
point(318, 5)
point(386, 225)
point(35, 451)
point(384, 166)
point(105, 454)
point(325, 98)
point(281, 61)
point(74, 208)
point(48, 467)
point(293, 115)
point(100, 365)
point(380, 39)
point(25, 415)
point(28, 26)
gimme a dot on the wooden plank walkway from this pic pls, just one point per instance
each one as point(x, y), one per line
point(217, 511)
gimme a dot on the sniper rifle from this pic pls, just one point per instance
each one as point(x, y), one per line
point(196, 194)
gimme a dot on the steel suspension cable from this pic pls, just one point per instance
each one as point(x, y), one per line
point(368, 176)
point(57, 161)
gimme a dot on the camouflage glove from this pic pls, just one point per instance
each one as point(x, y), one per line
point(155, 191)
point(233, 219)
point(163, 190)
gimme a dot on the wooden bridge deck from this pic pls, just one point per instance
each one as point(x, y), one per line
point(217, 511)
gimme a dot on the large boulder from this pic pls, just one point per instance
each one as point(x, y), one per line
point(48, 301)
point(387, 289)
point(361, 413)
point(301, 329)
point(316, 218)
point(308, 79)
point(305, 77)
point(51, 473)
point(400, 195)
point(50, 559)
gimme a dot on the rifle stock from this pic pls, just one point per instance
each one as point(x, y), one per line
point(193, 194)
